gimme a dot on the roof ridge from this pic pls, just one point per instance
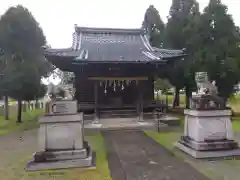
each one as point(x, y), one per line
point(109, 30)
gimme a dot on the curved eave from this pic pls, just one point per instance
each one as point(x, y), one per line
point(59, 58)
point(117, 62)
point(175, 57)
point(59, 61)
point(55, 59)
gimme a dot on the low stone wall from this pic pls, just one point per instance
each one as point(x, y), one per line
point(13, 108)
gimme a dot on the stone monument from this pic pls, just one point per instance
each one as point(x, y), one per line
point(61, 143)
point(208, 127)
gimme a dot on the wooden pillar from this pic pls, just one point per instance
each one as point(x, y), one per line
point(96, 111)
point(140, 102)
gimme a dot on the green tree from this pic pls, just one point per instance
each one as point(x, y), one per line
point(41, 91)
point(218, 50)
point(153, 26)
point(163, 85)
point(3, 66)
point(22, 41)
point(24, 85)
point(181, 15)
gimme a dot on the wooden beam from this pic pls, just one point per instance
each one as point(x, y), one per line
point(96, 118)
point(118, 78)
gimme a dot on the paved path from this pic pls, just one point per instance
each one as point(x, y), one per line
point(132, 155)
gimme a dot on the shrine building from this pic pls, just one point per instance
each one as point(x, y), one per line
point(114, 69)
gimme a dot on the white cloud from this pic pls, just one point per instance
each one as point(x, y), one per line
point(57, 17)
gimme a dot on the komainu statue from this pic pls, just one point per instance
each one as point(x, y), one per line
point(207, 94)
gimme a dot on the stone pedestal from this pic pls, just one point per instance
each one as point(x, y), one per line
point(61, 143)
point(208, 133)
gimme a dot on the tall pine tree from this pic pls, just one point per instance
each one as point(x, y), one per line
point(181, 15)
point(153, 26)
point(218, 47)
point(22, 41)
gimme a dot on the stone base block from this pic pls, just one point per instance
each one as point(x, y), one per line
point(210, 145)
point(62, 160)
point(60, 155)
point(64, 164)
point(170, 121)
point(207, 154)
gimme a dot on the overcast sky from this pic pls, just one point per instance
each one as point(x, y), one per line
point(57, 17)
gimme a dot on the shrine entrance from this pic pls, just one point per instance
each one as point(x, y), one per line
point(118, 95)
point(114, 70)
point(117, 92)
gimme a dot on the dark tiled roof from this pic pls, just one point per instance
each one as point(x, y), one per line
point(111, 45)
point(62, 52)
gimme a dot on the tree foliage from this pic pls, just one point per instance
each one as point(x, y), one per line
point(153, 26)
point(22, 41)
point(20, 34)
point(212, 41)
point(162, 84)
point(181, 15)
point(216, 46)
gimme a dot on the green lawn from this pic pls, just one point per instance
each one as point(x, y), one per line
point(236, 124)
point(16, 170)
point(101, 172)
point(235, 103)
point(29, 121)
point(171, 98)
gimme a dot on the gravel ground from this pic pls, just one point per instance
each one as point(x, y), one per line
point(16, 149)
point(132, 155)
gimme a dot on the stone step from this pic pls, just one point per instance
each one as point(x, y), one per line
point(118, 113)
point(123, 111)
point(110, 125)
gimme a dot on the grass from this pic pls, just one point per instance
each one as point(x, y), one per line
point(236, 124)
point(171, 99)
point(29, 119)
point(167, 139)
point(96, 141)
point(101, 172)
point(234, 102)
